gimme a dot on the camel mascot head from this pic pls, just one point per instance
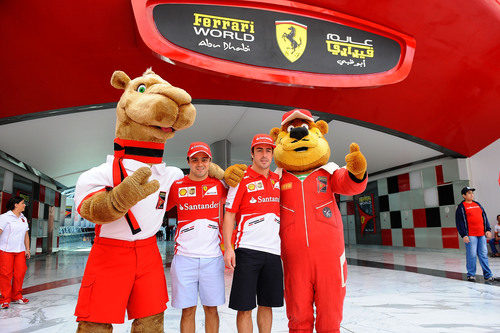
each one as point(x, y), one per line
point(151, 109)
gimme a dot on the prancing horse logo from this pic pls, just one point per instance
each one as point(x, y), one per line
point(292, 39)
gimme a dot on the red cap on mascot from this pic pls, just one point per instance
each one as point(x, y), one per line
point(296, 113)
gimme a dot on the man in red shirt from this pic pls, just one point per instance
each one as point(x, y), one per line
point(472, 225)
point(255, 205)
point(198, 266)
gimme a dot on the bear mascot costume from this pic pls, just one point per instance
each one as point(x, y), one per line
point(125, 198)
point(311, 230)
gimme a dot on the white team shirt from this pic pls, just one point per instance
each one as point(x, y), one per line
point(199, 216)
point(256, 202)
point(13, 232)
point(149, 212)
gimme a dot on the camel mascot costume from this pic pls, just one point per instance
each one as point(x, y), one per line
point(125, 198)
point(311, 231)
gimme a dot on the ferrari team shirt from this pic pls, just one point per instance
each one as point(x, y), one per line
point(149, 212)
point(256, 202)
point(199, 216)
point(475, 221)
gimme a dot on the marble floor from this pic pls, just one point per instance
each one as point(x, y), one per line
point(388, 290)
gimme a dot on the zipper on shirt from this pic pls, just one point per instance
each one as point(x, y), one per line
point(305, 218)
point(323, 205)
point(287, 208)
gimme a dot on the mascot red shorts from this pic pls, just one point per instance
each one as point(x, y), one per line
point(122, 275)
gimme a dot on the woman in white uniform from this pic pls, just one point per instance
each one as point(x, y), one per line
point(14, 250)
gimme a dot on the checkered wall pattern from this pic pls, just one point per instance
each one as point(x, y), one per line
point(417, 209)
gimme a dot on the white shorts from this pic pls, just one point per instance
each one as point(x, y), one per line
point(193, 276)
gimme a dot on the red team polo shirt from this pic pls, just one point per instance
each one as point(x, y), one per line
point(199, 205)
point(256, 202)
point(475, 221)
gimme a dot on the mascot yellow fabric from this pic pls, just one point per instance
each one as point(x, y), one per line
point(125, 197)
point(311, 230)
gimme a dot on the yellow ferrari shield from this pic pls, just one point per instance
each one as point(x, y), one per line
point(292, 39)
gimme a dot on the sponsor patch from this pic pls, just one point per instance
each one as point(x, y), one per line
point(209, 191)
point(327, 212)
point(276, 185)
point(256, 221)
point(259, 184)
point(286, 186)
point(251, 187)
point(252, 200)
point(192, 191)
point(188, 229)
point(322, 184)
point(187, 191)
point(161, 200)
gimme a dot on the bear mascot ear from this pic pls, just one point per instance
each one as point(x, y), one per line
point(119, 80)
point(274, 133)
point(323, 126)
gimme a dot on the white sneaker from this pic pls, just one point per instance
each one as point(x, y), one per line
point(21, 301)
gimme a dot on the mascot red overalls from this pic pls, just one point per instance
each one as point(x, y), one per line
point(312, 240)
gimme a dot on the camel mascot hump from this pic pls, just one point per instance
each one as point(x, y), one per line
point(125, 198)
point(311, 230)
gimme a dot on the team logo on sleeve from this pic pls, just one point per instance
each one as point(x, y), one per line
point(187, 191)
point(161, 200)
point(209, 190)
point(322, 184)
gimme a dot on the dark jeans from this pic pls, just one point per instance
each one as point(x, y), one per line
point(492, 245)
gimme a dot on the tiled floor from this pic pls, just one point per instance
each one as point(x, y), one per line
point(388, 290)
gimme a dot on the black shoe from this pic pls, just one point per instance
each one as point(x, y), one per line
point(490, 279)
point(471, 278)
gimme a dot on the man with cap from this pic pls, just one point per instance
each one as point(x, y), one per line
point(198, 266)
point(254, 205)
point(473, 226)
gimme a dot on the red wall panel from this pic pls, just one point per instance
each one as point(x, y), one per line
point(439, 175)
point(5, 198)
point(450, 238)
point(387, 237)
point(350, 207)
point(42, 193)
point(57, 201)
point(35, 207)
point(409, 237)
point(419, 219)
point(404, 182)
